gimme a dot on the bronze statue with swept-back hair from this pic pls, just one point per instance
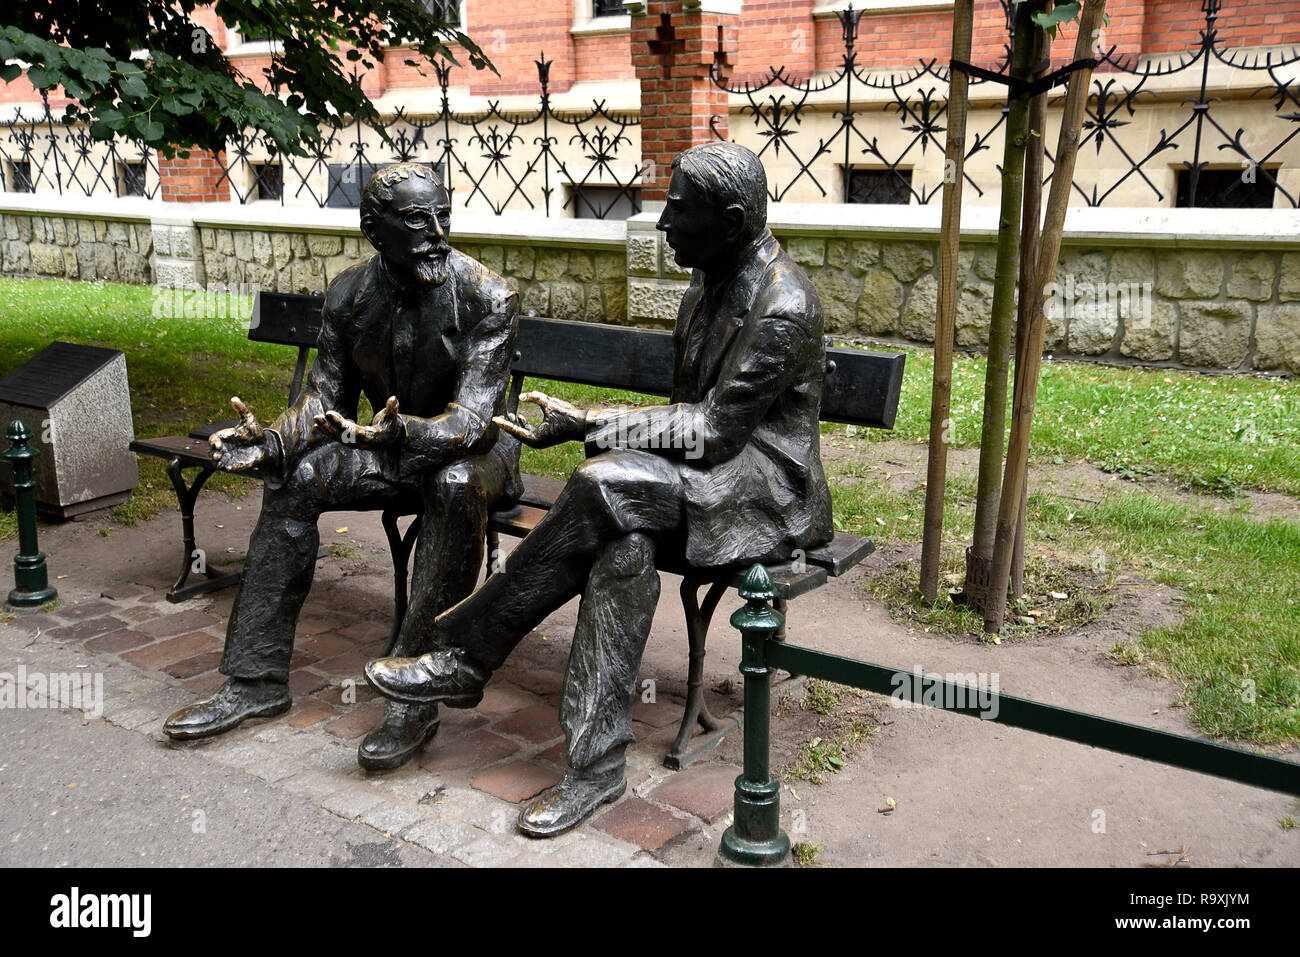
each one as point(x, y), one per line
point(729, 473)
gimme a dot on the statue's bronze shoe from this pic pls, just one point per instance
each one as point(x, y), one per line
point(570, 802)
point(235, 702)
point(399, 737)
point(446, 676)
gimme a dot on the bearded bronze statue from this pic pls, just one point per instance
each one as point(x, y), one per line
point(427, 334)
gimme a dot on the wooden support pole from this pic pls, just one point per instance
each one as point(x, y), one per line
point(963, 18)
point(1022, 415)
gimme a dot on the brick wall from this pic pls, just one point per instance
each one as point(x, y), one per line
point(197, 179)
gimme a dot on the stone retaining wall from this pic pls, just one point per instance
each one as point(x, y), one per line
point(72, 248)
point(1151, 298)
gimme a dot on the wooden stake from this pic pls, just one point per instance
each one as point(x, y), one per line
point(963, 19)
point(1049, 250)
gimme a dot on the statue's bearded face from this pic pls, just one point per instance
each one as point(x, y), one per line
point(412, 230)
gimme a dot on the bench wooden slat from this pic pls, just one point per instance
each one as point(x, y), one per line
point(862, 387)
point(613, 357)
point(841, 553)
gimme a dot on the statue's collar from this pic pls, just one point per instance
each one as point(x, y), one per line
point(761, 248)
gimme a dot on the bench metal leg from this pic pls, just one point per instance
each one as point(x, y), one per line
point(684, 750)
point(186, 496)
point(400, 545)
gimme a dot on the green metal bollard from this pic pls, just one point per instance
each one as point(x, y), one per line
point(755, 838)
point(33, 587)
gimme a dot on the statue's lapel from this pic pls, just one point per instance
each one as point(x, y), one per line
point(738, 299)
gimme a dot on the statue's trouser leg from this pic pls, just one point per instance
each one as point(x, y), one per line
point(614, 619)
point(608, 497)
point(449, 550)
point(281, 559)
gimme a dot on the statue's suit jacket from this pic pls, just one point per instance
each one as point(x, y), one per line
point(743, 414)
point(444, 351)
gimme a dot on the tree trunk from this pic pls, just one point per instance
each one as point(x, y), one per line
point(1048, 253)
point(1033, 210)
point(963, 19)
point(979, 558)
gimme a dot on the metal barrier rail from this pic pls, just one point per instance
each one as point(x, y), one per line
point(756, 838)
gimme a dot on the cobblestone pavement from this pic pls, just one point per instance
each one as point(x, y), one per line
point(459, 799)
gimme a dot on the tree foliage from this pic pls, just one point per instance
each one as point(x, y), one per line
point(145, 70)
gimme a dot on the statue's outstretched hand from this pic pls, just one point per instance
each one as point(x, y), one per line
point(561, 422)
point(384, 429)
point(243, 447)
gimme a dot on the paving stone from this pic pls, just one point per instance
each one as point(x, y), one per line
point(457, 721)
point(409, 781)
point(300, 659)
point(517, 781)
point(138, 613)
point(477, 749)
point(275, 768)
point(358, 721)
point(86, 609)
point(236, 755)
point(134, 719)
point(350, 664)
point(485, 852)
point(663, 712)
point(124, 639)
point(300, 745)
point(594, 852)
point(316, 785)
point(390, 818)
point(356, 689)
point(327, 645)
point(308, 712)
point(642, 823)
point(708, 791)
point(205, 685)
point(539, 724)
point(86, 629)
point(340, 759)
point(197, 665)
point(499, 699)
point(308, 625)
point(365, 630)
point(163, 653)
point(440, 836)
point(169, 625)
point(36, 622)
point(122, 591)
point(556, 754)
point(541, 681)
point(352, 802)
point(303, 683)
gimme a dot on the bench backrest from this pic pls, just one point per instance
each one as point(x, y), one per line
point(862, 387)
point(288, 319)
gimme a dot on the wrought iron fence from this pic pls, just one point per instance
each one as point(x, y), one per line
point(583, 162)
point(886, 144)
point(847, 135)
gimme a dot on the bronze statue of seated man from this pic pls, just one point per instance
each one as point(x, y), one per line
point(427, 334)
point(729, 473)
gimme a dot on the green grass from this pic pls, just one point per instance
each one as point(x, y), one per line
point(1209, 433)
point(1241, 577)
